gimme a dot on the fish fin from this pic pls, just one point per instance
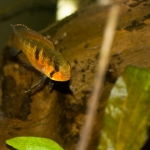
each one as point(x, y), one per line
point(22, 28)
point(19, 28)
point(51, 83)
point(14, 51)
point(15, 48)
point(39, 83)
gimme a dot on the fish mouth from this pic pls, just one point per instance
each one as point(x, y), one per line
point(65, 79)
point(61, 77)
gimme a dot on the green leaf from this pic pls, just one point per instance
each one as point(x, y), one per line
point(33, 143)
point(127, 112)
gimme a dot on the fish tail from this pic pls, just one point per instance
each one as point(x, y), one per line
point(15, 48)
point(18, 33)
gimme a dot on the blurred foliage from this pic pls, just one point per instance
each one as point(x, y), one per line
point(127, 112)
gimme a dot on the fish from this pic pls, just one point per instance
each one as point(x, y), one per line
point(40, 53)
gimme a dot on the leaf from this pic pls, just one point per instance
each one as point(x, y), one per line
point(127, 112)
point(33, 143)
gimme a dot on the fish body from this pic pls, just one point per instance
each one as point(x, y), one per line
point(40, 53)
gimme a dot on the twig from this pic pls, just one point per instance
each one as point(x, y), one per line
point(99, 78)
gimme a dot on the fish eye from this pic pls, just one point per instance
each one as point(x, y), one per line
point(56, 67)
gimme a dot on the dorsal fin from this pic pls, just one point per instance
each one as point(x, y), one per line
point(18, 28)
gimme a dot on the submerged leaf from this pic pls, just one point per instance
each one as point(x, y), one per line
point(33, 143)
point(127, 112)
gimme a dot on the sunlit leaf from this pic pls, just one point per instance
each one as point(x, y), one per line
point(33, 143)
point(127, 112)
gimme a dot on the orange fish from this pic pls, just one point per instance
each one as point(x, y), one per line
point(40, 53)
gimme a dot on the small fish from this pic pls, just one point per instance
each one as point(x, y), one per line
point(40, 53)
